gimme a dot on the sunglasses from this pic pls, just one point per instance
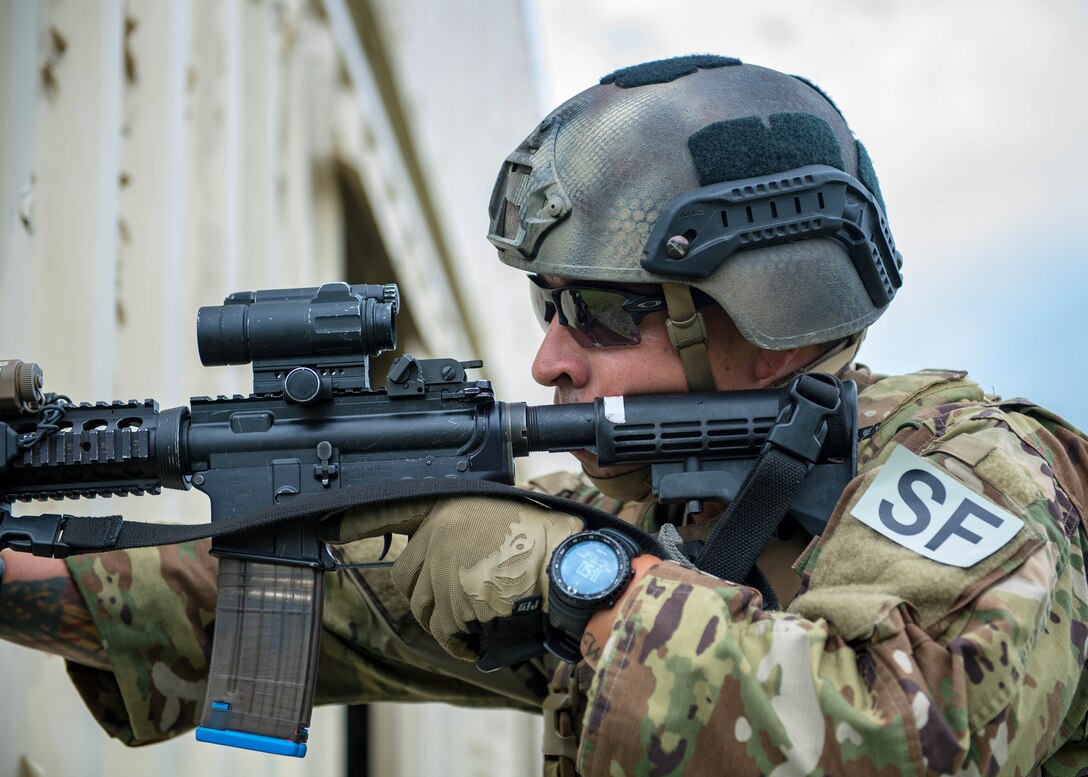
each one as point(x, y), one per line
point(598, 316)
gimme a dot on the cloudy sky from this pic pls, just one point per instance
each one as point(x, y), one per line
point(975, 116)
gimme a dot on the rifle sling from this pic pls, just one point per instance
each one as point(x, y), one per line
point(770, 487)
point(62, 535)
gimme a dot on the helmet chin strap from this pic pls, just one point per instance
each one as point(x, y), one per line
point(688, 335)
point(830, 361)
point(633, 486)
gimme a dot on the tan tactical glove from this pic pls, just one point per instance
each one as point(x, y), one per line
point(468, 561)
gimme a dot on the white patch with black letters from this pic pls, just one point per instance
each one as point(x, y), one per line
point(921, 507)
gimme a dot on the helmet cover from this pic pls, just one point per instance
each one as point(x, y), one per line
point(580, 196)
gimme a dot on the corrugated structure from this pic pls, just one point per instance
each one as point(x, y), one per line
point(155, 156)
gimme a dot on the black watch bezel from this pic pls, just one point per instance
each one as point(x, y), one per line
point(569, 611)
point(560, 589)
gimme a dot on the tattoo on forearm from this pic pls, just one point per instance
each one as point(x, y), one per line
point(590, 648)
point(51, 615)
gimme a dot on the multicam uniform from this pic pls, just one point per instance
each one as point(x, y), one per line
point(885, 663)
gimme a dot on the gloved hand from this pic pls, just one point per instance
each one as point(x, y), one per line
point(469, 559)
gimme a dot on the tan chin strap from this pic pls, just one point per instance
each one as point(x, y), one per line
point(832, 361)
point(688, 335)
point(631, 486)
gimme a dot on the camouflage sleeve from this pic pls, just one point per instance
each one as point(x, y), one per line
point(155, 610)
point(888, 662)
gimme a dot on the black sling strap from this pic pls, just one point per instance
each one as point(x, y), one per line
point(810, 417)
point(63, 535)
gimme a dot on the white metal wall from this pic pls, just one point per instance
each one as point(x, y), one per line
point(156, 155)
point(464, 76)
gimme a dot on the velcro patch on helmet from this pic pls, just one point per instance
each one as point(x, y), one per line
point(746, 148)
point(662, 71)
point(867, 174)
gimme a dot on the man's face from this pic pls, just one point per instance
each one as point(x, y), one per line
point(581, 373)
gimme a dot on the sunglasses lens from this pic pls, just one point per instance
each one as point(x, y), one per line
point(592, 316)
point(542, 305)
point(597, 317)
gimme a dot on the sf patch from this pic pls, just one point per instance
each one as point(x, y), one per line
point(925, 509)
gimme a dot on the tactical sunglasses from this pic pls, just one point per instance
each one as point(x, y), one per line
point(597, 316)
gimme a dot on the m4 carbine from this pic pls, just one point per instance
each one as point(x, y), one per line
point(315, 432)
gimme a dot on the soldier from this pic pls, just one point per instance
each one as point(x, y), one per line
point(937, 625)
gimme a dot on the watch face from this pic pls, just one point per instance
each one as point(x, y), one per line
point(589, 568)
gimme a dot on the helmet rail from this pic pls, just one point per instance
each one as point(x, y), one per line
point(700, 228)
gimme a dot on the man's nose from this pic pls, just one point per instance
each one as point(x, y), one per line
point(559, 360)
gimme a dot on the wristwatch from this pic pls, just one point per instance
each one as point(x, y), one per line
point(587, 573)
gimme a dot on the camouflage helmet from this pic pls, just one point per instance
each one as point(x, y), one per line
point(701, 171)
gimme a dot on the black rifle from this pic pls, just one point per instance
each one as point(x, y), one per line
point(312, 430)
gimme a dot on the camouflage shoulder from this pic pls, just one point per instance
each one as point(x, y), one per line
point(1018, 617)
point(888, 403)
point(1059, 443)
